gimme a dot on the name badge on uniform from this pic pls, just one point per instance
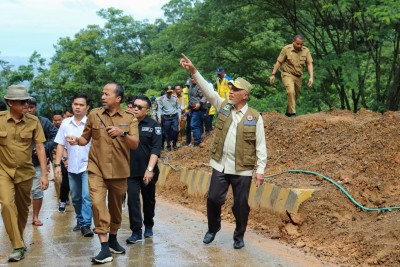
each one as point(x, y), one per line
point(250, 121)
point(123, 124)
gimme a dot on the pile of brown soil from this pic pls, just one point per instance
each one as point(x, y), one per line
point(359, 151)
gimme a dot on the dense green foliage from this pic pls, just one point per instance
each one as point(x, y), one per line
point(355, 45)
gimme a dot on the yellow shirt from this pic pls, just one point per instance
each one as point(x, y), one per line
point(185, 91)
point(223, 87)
point(109, 157)
point(16, 140)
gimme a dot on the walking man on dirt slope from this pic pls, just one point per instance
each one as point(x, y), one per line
point(239, 146)
point(292, 59)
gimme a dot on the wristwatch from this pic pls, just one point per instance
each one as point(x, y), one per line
point(124, 133)
point(57, 165)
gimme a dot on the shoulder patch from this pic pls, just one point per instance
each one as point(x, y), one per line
point(158, 130)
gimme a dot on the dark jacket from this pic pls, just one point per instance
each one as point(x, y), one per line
point(50, 132)
point(150, 138)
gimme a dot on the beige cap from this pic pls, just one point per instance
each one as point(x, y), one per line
point(17, 92)
point(241, 83)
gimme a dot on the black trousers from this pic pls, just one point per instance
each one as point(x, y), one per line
point(64, 187)
point(135, 187)
point(216, 198)
point(170, 128)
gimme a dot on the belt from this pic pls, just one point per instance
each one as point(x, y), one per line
point(173, 115)
point(298, 76)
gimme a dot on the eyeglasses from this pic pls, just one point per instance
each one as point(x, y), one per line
point(138, 107)
point(234, 89)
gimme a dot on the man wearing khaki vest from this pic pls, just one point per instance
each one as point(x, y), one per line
point(292, 59)
point(238, 147)
point(18, 132)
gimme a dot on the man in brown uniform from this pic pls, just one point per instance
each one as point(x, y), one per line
point(18, 132)
point(292, 58)
point(114, 132)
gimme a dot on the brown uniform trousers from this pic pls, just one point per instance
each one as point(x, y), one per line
point(111, 215)
point(15, 208)
point(293, 86)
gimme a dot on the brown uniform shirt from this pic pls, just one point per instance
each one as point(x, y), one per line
point(16, 140)
point(108, 157)
point(293, 61)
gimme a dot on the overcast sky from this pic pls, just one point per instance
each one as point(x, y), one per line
point(28, 25)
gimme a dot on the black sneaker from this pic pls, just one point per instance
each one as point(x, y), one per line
point(134, 238)
point(103, 257)
point(116, 248)
point(148, 232)
point(62, 207)
point(86, 231)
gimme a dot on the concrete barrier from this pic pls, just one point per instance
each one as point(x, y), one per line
point(164, 171)
point(269, 196)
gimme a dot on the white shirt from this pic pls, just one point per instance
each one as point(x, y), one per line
point(227, 162)
point(77, 155)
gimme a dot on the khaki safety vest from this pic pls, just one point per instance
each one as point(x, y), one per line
point(246, 157)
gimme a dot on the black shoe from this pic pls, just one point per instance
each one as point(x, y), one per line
point(86, 231)
point(175, 148)
point(148, 232)
point(169, 148)
point(103, 257)
point(209, 237)
point(76, 228)
point(134, 238)
point(116, 248)
point(238, 244)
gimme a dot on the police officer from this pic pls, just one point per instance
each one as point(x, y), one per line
point(292, 59)
point(144, 172)
point(238, 147)
point(169, 114)
point(18, 132)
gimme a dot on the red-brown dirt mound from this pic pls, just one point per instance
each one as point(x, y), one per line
point(359, 151)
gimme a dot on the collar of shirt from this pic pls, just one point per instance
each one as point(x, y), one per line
point(8, 117)
point(243, 110)
point(72, 120)
point(119, 112)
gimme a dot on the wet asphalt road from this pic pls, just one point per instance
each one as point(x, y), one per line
point(177, 241)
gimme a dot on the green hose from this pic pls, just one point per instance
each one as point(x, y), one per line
point(165, 162)
point(339, 186)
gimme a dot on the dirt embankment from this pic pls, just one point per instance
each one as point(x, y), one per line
point(359, 151)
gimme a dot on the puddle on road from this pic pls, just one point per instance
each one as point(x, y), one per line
point(178, 235)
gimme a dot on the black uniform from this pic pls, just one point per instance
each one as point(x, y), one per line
point(150, 137)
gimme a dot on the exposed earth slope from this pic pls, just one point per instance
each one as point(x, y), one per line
point(359, 151)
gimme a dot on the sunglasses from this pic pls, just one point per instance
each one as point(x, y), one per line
point(22, 102)
point(138, 107)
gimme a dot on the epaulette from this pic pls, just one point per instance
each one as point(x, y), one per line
point(96, 109)
point(32, 117)
point(2, 113)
